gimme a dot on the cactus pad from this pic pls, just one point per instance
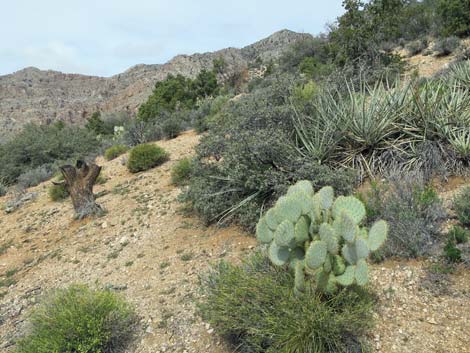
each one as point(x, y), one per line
point(278, 256)
point(263, 233)
point(299, 277)
point(362, 272)
point(362, 249)
point(345, 227)
point(349, 254)
point(303, 186)
point(284, 236)
point(328, 235)
point(377, 235)
point(316, 254)
point(271, 219)
point(301, 230)
point(354, 207)
point(347, 278)
point(288, 208)
point(326, 197)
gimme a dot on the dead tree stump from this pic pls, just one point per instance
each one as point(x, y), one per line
point(79, 181)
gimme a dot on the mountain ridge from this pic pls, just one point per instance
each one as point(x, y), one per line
point(31, 95)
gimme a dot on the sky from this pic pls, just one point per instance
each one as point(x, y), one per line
point(106, 37)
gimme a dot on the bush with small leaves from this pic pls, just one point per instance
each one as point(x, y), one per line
point(146, 156)
point(320, 237)
point(80, 320)
point(461, 205)
point(415, 47)
point(181, 172)
point(252, 306)
point(115, 151)
point(452, 253)
point(171, 127)
point(58, 192)
point(3, 189)
point(35, 176)
point(446, 46)
point(459, 234)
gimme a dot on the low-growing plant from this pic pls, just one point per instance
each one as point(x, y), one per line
point(115, 151)
point(171, 127)
point(320, 237)
point(414, 212)
point(35, 176)
point(459, 234)
point(146, 156)
point(461, 205)
point(81, 320)
point(446, 46)
point(58, 192)
point(253, 306)
point(3, 189)
point(415, 47)
point(452, 253)
point(181, 171)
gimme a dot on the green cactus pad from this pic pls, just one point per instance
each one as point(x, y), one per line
point(278, 255)
point(263, 233)
point(331, 286)
point(377, 235)
point(345, 226)
point(327, 266)
point(284, 235)
point(304, 200)
point(328, 235)
point(362, 249)
point(349, 254)
point(316, 254)
point(304, 186)
point(288, 208)
point(338, 265)
point(354, 207)
point(327, 195)
point(271, 219)
point(301, 230)
point(362, 272)
point(299, 277)
point(347, 278)
point(316, 208)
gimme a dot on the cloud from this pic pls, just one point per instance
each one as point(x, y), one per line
point(106, 37)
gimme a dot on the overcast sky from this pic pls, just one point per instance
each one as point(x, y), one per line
point(105, 37)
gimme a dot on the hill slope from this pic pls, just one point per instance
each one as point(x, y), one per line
point(33, 95)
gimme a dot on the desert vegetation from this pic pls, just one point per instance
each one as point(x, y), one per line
point(335, 158)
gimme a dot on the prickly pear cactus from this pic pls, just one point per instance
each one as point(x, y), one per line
point(320, 237)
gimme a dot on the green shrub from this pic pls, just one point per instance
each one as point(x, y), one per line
point(58, 192)
point(413, 211)
point(446, 46)
point(459, 235)
point(415, 47)
point(253, 306)
point(35, 176)
point(3, 189)
point(80, 320)
point(115, 151)
point(455, 17)
point(461, 205)
point(44, 145)
point(452, 253)
point(181, 172)
point(171, 127)
point(146, 156)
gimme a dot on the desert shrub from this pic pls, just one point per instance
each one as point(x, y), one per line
point(146, 156)
point(455, 17)
point(181, 171)
point(58, 192)
point(115, 151)
point(139, 132)
point(171, 127)
point(253, 307)
point(451, 252)
point(459, 234)
point(413, 211)
point(415, 47)
point(81, 320)
point(461, 205)
point(249, 158)
point(3, 188)
point(42, 145)
point(35, 176)
point(446, 46)
point(208, 112)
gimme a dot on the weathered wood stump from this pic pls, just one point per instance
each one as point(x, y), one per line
point(79, 181)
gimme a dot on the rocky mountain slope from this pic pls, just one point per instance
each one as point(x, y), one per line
point(33, 95)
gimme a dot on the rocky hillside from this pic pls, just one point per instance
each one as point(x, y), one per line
point(33, 95)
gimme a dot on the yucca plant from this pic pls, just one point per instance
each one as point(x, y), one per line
point(460, 141)
point(460, 74)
